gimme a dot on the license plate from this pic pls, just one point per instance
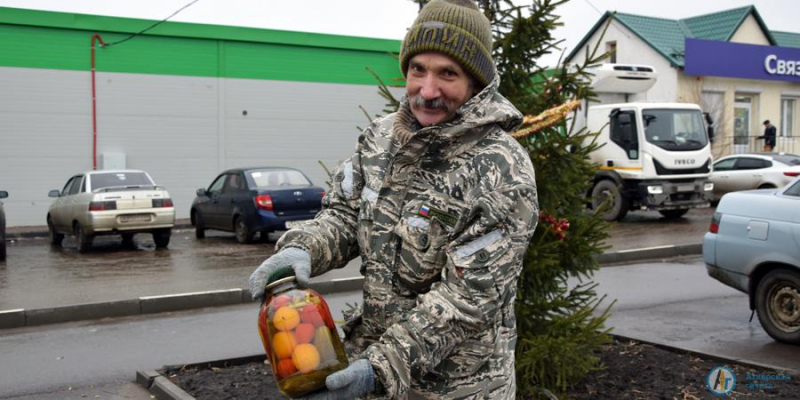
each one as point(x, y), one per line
point(293, 224)
point(685, 188)
point(134, 218)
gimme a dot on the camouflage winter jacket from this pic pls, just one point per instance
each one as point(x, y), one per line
point(441, 217)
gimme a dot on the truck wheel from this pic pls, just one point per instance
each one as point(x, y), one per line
point(161, 237)
point(778, 305)
point(618, 205)
point(673, 214)
point(55, 237)
point(199, 225)
point(243, 233)
point(83, 240)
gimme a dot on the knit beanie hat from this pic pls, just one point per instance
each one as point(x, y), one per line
point(456, 28)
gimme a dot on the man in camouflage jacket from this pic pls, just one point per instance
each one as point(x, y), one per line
point(440, 203)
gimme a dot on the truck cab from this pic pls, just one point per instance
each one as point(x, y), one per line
point(654, 155)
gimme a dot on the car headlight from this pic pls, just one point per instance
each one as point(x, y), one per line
point(708, 186)
point(655, 189)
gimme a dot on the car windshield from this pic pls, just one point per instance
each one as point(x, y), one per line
point(120, 180)
point(680, 130)
point(280, 177)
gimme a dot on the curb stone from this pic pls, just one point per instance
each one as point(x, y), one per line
point(646, 253)
point(186, 301)
point(40, 231)
point(176, 393)
point(712, 356)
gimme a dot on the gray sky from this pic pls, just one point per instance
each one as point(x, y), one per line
point(390, 18)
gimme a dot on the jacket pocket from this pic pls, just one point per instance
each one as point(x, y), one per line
point(421, 255)
point(477, 263)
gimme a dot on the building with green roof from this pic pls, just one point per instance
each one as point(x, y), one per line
point(729, 62)
point(182, 101)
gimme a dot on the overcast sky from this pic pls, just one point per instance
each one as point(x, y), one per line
point(390, 18)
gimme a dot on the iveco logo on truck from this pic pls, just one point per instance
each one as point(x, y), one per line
point(688, 161)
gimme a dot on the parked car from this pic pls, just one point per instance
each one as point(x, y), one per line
point(124, 202)
point(753, 171)
point(753, 245)
point(250, 200)
point(3, 195)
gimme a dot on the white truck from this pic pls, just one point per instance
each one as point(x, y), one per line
point(654, 156)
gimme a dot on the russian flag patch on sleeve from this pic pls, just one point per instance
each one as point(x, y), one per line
point(424, 210)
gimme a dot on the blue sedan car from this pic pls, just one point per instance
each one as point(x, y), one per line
point(255, 200)
point(753, 245)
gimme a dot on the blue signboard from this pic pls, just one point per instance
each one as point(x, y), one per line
point(737, 60)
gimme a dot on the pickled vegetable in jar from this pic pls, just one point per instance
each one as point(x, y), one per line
point(300, 338)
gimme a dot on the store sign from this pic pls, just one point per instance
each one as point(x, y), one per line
point(737, 60)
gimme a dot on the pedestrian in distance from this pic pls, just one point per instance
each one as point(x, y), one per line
point(709, 126)
point(440, 203)
point(769, 136)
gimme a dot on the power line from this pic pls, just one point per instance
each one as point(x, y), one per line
point(595, 8)
point(151, 26)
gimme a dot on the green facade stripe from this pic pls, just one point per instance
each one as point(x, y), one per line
point(56, 42)
point(86, 22)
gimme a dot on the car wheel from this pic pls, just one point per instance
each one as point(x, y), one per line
point(778, 305)
point(673, 214)
point(199, 225)
point(618, 207)
point(83, 240)
point(767, 186)
point(127, 240)
point(243, 234)
point(161, 237)
point(55, 237)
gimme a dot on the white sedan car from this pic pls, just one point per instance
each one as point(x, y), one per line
point(124, 203)
point(753, 171)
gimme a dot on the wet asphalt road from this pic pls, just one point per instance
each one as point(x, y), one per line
point(676, 303)
point(36, 275)
point(673, 303)
point(98, 359)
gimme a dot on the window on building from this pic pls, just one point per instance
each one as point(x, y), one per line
point(787, 117)
point(611, 49)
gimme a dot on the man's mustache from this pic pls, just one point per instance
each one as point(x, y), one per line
point(418, 102)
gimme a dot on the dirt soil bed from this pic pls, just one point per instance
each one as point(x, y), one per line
point(632, 371)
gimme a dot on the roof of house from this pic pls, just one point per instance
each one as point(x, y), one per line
point(667, 36)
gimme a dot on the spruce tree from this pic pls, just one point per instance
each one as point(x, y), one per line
point(559, 328)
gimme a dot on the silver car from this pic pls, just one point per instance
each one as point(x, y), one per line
point(753, 245)
point(122, 202)
point(753, 171)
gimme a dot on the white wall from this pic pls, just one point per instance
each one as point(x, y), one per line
point(750, 32)
point(182, 130)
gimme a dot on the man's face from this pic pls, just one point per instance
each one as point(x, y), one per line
point(436, 86)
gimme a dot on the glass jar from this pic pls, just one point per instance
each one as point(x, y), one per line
point(300, 338)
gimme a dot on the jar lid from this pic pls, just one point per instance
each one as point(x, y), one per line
point(280, 282)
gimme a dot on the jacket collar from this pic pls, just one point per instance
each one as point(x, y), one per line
point(473, 120)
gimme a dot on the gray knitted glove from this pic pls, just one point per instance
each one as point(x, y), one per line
point(352, 382)
point(278, 266)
